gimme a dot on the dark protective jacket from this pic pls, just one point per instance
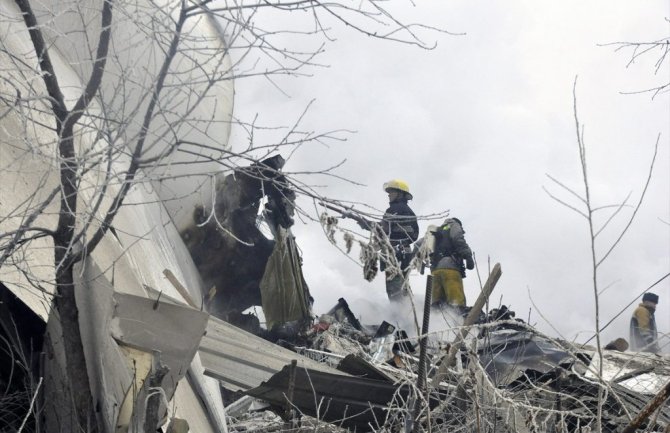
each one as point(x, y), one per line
point(450, 246)
point(643, 333)
point(399, 223)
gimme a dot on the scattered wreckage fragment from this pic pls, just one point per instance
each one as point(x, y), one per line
point(504, 377)
point(553, 384)
point(357, 403)
point(247, 363)
point(507, 378)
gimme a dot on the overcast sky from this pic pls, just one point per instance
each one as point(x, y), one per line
point(474, 126)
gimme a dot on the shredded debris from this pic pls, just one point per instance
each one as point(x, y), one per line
point(508, 377)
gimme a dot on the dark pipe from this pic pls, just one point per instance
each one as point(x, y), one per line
point(423, 340)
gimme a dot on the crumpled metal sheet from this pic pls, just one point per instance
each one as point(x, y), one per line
point(357, 403)
point(241, 360)
point(507, 353)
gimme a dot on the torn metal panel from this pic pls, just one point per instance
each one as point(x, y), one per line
point(343, 314)
point(172, 330)
point(239, 406)
point(356, 403)
point(169, 331)
point(198, 390)
point(142, 237)
point(359, 367)
point(328, 358)
point(241, 360)
point(108, 370)
point(130, 44)
point(507, 353)
point(109, 375)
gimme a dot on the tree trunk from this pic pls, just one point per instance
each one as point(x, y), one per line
point(75, 361)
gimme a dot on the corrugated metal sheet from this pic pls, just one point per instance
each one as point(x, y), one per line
point(242, 361)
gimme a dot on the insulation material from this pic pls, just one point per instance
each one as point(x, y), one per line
point(284, 293)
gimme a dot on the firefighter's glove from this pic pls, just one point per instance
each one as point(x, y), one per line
point(469, 263)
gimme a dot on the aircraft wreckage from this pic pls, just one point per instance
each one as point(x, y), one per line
point(486, 371)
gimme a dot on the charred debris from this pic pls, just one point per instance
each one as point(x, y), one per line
point(484, 371)
point(210, 367)
point(207, 366)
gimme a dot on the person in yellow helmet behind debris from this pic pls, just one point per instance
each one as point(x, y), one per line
point(643, 333)
point(400, 225)
point(447, 268)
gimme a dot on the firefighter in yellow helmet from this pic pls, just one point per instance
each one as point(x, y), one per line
point(400, 225)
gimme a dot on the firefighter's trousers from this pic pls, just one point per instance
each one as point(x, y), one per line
point(448, 287)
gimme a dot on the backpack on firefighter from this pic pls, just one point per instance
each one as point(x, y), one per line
point(443, 246)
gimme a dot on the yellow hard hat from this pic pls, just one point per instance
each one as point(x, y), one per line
point(398, 184)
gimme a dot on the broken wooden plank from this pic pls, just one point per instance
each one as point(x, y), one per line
point(448, 359)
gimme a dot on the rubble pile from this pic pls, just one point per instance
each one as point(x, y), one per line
point(486, 372)
point(506, 377)
point(192, 360)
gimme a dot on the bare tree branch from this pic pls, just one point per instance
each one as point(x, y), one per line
point(637, 207)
